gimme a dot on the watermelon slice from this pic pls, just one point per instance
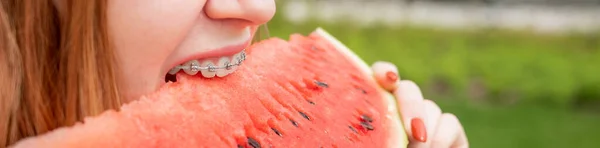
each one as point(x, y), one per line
point(310, 91)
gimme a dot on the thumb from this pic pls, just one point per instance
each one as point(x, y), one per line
point(386, 74)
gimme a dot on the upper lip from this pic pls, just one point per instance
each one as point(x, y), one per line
point(213, 53)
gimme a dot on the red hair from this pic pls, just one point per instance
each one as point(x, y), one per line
point(53, 71)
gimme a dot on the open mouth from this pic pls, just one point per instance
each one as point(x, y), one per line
point(208, 67)
point(219, 61)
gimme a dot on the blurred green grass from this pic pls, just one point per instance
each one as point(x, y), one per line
point(525, 126)
point(509, 88)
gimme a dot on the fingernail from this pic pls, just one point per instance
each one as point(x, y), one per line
point(418, 129)
point(391, 76)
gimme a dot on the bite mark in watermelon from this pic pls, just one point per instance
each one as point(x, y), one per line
point(310, 91)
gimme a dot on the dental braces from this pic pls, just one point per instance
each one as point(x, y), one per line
point(228, 65)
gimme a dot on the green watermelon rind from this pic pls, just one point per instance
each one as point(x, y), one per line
point(398, 137)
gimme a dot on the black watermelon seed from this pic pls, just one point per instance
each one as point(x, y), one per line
point(363, 91)
point(277, 132)
point(294, 123)
point(240, 146)
point(366, 118)
point(253, 143)
point(322, 84)
point(311, 102)
point(305, 116)
point(367, 125)
point(352, 128)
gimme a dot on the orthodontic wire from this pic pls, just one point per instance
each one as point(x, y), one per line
point(212, 68)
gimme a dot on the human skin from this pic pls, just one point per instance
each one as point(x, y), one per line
point(150, 37)
point(436, 129)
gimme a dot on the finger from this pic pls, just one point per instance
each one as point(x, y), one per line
point(386, 75)
point(433, 113)
point(412, 109)
point(432, 118)
point(449, 133)
point(462, 141)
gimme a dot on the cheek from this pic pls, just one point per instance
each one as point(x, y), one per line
point(150, 26)
point(145, 32)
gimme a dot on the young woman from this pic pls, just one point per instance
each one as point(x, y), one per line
point(62, 60)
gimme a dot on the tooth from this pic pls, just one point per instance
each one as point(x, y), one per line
point(223, 62)
point(190, 67)
point(175, 70)
point(232, 66)
point(243, 55)
point(210, 72)
point(239, 58)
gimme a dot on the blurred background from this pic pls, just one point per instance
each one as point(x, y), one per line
point(518, 73)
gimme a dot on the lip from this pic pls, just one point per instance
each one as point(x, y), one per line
point(213, 53)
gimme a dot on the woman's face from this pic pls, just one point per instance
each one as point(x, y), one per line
point(151, 37)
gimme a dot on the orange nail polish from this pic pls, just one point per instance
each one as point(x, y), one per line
point(418, 129)
point(391, 76)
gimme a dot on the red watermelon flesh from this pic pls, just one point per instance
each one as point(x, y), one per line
point(310, 91)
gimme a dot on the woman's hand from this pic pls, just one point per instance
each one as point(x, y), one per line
point(424, 122)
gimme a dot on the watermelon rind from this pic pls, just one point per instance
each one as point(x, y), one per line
point(398, 135)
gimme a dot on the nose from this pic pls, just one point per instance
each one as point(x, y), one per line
point(255, 12)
